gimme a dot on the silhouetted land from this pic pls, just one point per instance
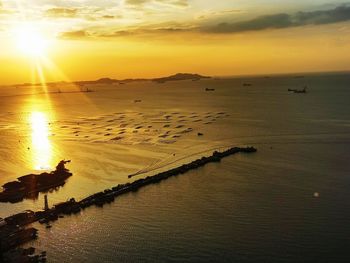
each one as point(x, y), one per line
point(30, 185)
point(111, 81)
point(180, 76)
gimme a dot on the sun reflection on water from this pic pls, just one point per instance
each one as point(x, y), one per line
point(41, 145)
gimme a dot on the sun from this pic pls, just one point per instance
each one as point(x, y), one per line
point(30, 41)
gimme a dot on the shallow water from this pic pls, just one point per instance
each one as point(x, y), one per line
point(259, 207)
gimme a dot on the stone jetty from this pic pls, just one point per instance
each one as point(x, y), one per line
point(15, 225)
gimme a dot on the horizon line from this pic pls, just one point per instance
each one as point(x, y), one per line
point(211, 76)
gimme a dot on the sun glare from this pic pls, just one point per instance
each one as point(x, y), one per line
point(40, 141)
point(30, 41)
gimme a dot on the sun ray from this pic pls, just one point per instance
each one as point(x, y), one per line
point(53, 69)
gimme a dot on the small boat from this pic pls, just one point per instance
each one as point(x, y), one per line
point(304, 90)
point(87, 90)
point(209, 89)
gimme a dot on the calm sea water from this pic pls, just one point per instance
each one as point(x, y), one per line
point(286, 203)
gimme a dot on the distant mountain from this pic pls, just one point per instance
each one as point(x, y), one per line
point(180, 76)
point(109, 81)
point(99, 81)
point(176, 77)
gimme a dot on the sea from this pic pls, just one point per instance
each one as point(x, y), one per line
point(288, 202)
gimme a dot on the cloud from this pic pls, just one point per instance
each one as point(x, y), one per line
point(88, 13)
point(136, 2)
point(109, 16)
point(4, 11)
point(94, 33)
point(210, 14)
point(61, 12)
point(178, 3)
point(78, 34)
point(284, 20)
point(265, 22)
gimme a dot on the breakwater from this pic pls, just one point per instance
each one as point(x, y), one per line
point(107, 196)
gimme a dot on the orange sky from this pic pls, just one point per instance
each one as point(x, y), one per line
point(140, 38)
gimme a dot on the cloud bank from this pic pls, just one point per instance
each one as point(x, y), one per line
point(109, 23)
point(179, 3)
point(284, 20)
point(61, 12)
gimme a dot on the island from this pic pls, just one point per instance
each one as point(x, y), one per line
point(181, 76)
